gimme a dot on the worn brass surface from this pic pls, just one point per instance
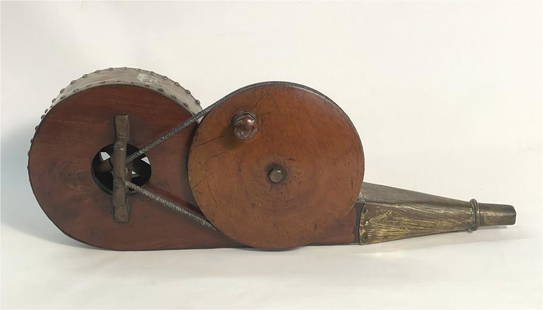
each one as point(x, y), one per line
point(391, 213)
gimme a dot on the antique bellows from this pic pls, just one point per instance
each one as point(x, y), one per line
point(127, 159)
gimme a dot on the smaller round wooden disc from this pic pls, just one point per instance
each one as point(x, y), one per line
point(301, 133)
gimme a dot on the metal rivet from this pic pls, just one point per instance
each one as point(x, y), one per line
point(276, 174)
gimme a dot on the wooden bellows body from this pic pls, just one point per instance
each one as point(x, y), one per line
point(126, 159)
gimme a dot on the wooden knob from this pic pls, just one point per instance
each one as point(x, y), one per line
point(244, 125)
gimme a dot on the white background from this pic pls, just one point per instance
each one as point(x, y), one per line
point(446, 96)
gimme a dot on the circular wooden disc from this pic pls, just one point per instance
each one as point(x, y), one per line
point(63, 152)
point(299, 130)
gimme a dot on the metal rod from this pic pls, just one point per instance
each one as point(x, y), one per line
point(171, 132)
point(172, 205)
point(121, 209)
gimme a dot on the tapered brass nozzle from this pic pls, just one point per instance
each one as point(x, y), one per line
point(390, 213)
point(491, 214)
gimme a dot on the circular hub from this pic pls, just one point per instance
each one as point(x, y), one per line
point(290, 181)
point(102, 169)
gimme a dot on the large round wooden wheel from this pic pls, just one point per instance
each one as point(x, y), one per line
point(275, 165)
point(68, 161)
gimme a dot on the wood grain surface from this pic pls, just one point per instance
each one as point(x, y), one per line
point(299, 130)
point(60, 170)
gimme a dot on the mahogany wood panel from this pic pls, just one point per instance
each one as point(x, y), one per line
point(299, 130)
point(60, 171)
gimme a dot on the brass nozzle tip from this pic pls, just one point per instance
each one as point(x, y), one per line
point(496, 214)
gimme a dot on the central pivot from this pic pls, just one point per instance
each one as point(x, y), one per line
point(276, 174)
